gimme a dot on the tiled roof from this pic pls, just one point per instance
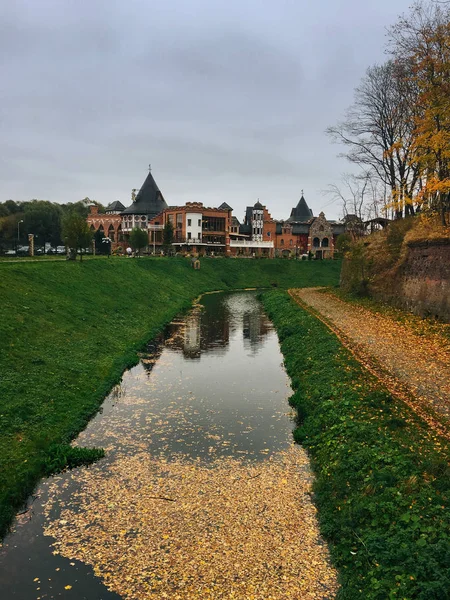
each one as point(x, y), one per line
point(301, 212)
point(149, 200)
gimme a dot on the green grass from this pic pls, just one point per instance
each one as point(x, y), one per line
point(382, 478)
point(68, 330)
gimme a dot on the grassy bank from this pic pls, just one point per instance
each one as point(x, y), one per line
point(382, 479)
point(68, 330)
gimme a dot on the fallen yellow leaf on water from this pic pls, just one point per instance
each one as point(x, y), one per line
point(68, 587)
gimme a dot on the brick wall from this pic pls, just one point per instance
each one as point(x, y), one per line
point(421, 284)
point(424, 280)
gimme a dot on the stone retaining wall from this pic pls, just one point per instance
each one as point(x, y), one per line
point(422, 282)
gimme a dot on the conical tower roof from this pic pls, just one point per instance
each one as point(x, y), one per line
point(149, 200)
point(301, 212)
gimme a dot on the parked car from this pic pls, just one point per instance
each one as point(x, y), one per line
point(60, 249)
point(10, 253)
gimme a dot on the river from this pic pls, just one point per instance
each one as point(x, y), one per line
point(202, 493)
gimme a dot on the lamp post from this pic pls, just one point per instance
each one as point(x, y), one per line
point(107, 240)
point(18, 233)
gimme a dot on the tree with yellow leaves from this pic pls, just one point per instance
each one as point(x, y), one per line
point(422, 40)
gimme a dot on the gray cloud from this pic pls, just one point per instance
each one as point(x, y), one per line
point(227, 100)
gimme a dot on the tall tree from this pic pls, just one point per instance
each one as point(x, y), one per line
point(168, 234)
point(422, 39)
point(76, 233)
point(378, 131)
point(43, 219)
point(138, 239)
point(361, 197)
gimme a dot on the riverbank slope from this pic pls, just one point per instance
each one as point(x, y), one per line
point(68, 330)
point(382, 482)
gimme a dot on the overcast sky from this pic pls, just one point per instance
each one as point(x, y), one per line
point(228, 100)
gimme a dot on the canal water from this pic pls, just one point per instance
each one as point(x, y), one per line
point(201, 489)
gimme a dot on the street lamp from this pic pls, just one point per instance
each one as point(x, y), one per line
point(107, 240)
point(18, 232)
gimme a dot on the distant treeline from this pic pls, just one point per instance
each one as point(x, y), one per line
point(39, 217)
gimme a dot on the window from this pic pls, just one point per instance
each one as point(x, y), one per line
point(170, 218)
point(189, 234)
point(316, 242)
point(179, 220)
point(268, 234)
point(282, 243)
point(321, 228)
point(199, 222)
point(291, 242)
point(325, 243)
point(214, 224)
point(189, 222)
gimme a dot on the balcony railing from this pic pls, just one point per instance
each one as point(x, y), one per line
point(250, 244)
point(197, 242)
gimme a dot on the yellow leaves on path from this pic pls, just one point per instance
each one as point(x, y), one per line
point(235, 529)
point(407, 361)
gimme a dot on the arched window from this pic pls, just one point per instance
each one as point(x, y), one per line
point(321, 228)
point(325, 243)
point(316, 242)
point(282, 243)
point(291, 242)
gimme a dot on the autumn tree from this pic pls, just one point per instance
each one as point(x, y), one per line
point(378, 131)
point(76, 233)
point(422, 39)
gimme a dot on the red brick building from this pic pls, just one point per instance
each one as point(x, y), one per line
point(199, 229)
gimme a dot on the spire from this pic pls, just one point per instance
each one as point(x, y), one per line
point(301, 212)
point(149, 200)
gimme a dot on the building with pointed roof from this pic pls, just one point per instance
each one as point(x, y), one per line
point(300, 234)
point(300, 213)
point(201, 229)
point(148, 203)
point(115, 208)
point(149, 200)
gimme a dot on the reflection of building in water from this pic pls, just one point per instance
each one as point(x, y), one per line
point(200, 335)
point(152, 353)
point(255, 327)
point(192, 337)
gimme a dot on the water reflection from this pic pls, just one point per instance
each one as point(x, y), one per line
point(213, 388)
point(209, 326)
point(210, 389)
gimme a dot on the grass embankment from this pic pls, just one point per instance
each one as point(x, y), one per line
point(67, 332)
point(382, 479)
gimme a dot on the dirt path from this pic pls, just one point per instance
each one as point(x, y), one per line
point(416, 367)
